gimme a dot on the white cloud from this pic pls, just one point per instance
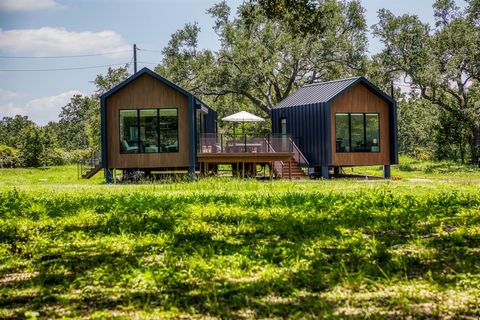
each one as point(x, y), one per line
point(46, 109)
point(48, 41)
point(41, 110)
point(10, 110)
point(6, 95)
point(27, 5)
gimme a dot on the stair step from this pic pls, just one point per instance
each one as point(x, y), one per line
point(90, 173)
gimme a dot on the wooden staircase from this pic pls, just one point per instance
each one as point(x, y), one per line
point(90, 173)
point(89, 166)
point(282, 170)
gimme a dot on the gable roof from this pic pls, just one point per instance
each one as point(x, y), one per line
point(155, 75)
point(326, 91)
point(137, 75)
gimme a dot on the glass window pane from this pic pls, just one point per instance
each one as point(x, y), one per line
point(168, 130)
point(342, 136)
point(283, 126)
point(148, 131)
point(128, 131)
point(358, 143)
point(372, 123)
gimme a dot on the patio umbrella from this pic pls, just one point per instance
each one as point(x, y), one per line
point(242, 116)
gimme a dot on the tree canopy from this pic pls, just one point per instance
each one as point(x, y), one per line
point(261, 59)
point(441, 62)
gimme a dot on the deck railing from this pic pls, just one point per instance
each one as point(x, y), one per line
point(244, 143)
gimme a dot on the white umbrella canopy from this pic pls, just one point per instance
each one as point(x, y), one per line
point(243, 116)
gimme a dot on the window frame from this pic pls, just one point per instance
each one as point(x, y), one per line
point(139, 133)
point(364, 116)
point(283, 120)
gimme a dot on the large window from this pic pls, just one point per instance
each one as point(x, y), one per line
point(148, 130)
point(168, 130)
point(357, 132)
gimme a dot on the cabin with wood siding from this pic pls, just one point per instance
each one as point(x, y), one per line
point(150, 124)
point(341, 123)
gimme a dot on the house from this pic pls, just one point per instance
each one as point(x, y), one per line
point(151, 124)
point(341, 123)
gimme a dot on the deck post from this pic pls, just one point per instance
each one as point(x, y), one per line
point(386, 172)
point(243, 170)
point(336, 170)
point(325, 173)
point(271, 169)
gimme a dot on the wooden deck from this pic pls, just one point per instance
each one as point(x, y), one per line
point(247, 157)
point(244, 164)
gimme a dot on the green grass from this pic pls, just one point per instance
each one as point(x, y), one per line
point(225, 248)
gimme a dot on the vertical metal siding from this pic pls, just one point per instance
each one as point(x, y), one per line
point(328, 134)
point(192, 131)
point(210, 119)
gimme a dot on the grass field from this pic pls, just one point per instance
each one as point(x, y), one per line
point(225, 248)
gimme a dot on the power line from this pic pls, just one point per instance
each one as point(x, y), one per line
point(59, 57)
point(63, 69)
point(150, 50)
point(145, 62)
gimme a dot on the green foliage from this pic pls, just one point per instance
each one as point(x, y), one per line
point(71, 126)
point(114, 76)
point(32, 146)
point(261, 58)
point(417, 120)
point(442, 63)
point(9, 157)
point(227, 248)
point(10, 128)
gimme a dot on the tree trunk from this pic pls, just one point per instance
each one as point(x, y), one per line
point(475, 143)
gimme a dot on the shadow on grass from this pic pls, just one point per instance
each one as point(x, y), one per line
point(335, 240)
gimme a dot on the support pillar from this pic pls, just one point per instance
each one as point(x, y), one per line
point(191, 172)
point(108, 175)
point(325, 174)
point(336, 171)
point(386, 172)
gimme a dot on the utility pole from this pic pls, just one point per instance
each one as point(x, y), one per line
point(134, 58)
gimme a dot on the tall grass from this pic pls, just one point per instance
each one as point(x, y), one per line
point(226, 248)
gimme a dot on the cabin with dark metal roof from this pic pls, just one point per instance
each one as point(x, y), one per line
point(341, 123)
point(150, 124)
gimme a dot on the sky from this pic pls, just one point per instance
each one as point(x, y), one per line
point(105, 30)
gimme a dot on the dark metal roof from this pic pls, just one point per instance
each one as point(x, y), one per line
point(326, 91)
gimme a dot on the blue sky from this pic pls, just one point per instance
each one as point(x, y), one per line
point(56, 27)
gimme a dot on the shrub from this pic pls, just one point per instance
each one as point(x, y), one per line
point(9, 157)
point(59, 157)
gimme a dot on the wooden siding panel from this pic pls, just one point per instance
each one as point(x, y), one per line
point(360, 99)
point(147, 93)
